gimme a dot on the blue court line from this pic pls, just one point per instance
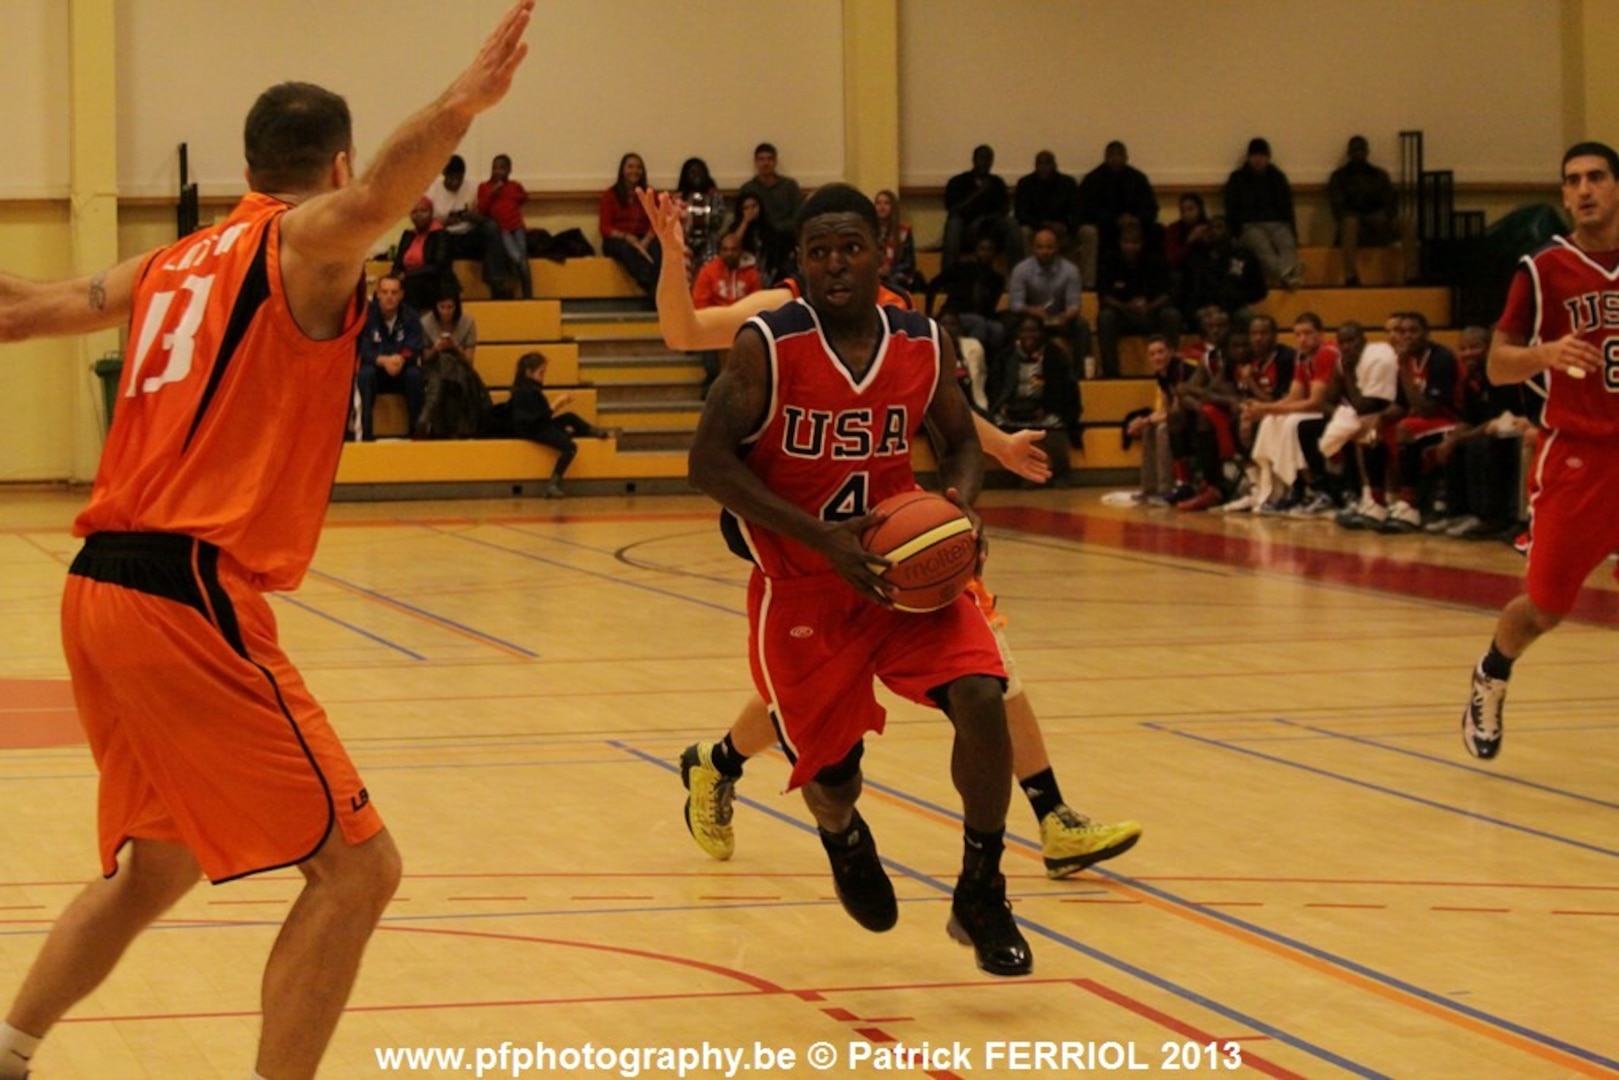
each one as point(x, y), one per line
point(610, 578)
point(1252, 1023)
point(287, 598)
point(1476, 770)
point(430, 615)
point(1432, 804)
point(1309, 950)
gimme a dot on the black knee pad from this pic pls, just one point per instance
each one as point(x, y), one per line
point(845, 770)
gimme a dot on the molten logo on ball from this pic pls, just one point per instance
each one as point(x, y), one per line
point(932, 546)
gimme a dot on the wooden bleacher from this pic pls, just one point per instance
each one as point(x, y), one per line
point(507, 329)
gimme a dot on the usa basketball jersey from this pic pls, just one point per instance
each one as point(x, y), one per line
point(831, 443)
point(230, 420)
point(1561, 290)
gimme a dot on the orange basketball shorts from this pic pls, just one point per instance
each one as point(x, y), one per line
point(203, 732)
point(816, 647)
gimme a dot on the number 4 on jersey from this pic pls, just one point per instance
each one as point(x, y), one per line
point(850, 501)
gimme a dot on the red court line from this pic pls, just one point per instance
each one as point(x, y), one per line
point(1141, 1008)
point(1406, 578)
point(1585, 912)
point(1479, 910)
point(1369, 907)
point(503, 899)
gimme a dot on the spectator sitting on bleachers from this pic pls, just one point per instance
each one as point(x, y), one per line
point(1259, 207)
point(1429, 381)
point(780, 198)
point(454, 398)
point(751, 226)
point(534, 418)
point(704, 214)
point(898, 246)
point(1170, 372)
point(972, 369)
point(390, 347)
point(1481, 455)
point(1046, 286)
point(721, 283)
point(1189, 229)
point(1364, 204)
point(501, 199)
point(1108, 194)
point(470, 234)
point(422, 258)
point(1202, 429)
point(1037, 391)
point(1133, 292)
point(1047, 199)
point(973, 287)
point(976, 204)
point(1362, 395)
point(627, 236)
point(1286, 455)
point(1221, 273)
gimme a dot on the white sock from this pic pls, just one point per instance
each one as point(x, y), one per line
point(16, 1050)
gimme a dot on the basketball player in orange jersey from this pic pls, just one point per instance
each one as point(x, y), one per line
point(1069, 840)
point(809, 425)
point(1560, 328)
point(214, 758)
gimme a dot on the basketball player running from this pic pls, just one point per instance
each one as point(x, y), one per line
point(1561, 328)
point(1069, 841)
point(809, 425)
point(214, 759)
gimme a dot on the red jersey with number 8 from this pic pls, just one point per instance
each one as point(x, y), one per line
point(1559, 290)
point(229, 419)
point(833, 443)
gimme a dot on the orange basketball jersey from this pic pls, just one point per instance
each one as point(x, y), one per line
point(229, 420)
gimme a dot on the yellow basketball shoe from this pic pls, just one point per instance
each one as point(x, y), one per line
point(709, 794)
point(1070, 842)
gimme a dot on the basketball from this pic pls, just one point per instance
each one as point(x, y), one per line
point(932, 545)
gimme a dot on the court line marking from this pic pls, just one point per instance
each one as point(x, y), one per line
point(1420, 800)
point(1475, 770)
point(302, 605)
point(432, 618)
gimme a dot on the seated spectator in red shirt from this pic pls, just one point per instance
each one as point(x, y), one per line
point(422, 259)
point(627, 236)
point(720, 283)
point(501, 198)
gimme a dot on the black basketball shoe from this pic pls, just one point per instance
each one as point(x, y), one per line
point(857, 873)
point(981, 917)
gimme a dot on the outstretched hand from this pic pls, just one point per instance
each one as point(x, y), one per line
point(663, 210)
point(840, 543)
point(488, 78)
point(1024, 457)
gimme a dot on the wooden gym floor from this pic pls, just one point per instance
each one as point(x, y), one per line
point(1327, 886)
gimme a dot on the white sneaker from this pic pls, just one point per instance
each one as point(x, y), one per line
point(1482, 722)
point(1372, 512)
point(1242, 504)
point(1402, 517)
point(1463, 525)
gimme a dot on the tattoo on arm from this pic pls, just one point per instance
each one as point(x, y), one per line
point(98, 292)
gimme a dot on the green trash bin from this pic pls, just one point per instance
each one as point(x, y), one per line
point(107, 369)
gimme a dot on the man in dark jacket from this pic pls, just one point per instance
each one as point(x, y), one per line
point(1363, 204)
point(1110, 193)
point(1259, 208)
point(976, 203)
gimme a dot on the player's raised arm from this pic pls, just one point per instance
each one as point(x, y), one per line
point(333, 231)
point(684, 327)
point(101, 301)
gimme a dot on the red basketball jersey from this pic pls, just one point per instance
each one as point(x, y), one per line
point(1561, 290)
point(832, 444)
point(230, 420)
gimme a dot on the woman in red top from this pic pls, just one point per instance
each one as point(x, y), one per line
point(422, 261)
point(627, 236)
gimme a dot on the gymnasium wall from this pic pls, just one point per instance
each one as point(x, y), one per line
point(1186, 85)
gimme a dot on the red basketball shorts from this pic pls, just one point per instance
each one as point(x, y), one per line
point(816, 647)
point(1575, 518)
point(203, 732)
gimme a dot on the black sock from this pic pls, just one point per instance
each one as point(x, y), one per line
point(981, 854)
point(1496, 664)
point(845, 838)
point(726, 759)
point(1042, 792)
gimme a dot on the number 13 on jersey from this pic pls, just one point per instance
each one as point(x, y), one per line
point(170, 330)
